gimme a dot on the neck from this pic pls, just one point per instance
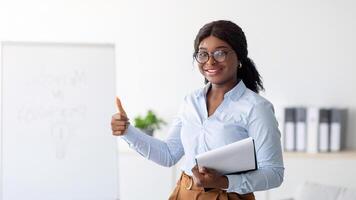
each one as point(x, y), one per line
point(219, 90)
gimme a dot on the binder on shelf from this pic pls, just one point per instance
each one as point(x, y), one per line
point(279, 113)
point(301, 129)
point(337, 129)
point(289, 129)
point(324, 130)
point(312, 129)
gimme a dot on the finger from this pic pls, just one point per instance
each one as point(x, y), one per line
point(198, 178)
point(119, 123)
point(119, 128)
point(203, 170)
point(119, 107)
point(212, 171)
point(118, 133)
point(195, 171)
point(119, 116)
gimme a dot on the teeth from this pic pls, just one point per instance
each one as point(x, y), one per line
point(212, 71)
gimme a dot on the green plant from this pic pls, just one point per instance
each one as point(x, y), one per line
point(149, 122)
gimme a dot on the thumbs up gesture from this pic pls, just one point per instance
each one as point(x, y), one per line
point(119, 121)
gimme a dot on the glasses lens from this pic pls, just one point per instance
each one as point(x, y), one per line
point(219, 55)
point(202, 57)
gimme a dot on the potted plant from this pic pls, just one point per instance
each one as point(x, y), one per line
point(148, 123)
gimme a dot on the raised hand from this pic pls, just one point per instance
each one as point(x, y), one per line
point(119, 121)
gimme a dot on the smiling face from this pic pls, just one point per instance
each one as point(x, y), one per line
point(216, 71)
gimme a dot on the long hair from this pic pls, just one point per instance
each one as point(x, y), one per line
point(235, 37)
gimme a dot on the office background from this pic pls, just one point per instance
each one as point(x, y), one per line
point(303, 49)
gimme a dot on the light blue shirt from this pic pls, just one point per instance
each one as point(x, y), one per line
point(241, 114)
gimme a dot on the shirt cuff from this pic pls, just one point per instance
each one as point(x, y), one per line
point(131, 135)
point(234, 183)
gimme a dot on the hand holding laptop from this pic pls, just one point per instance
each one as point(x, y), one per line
point(234, 158)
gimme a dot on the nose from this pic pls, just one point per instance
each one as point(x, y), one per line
point(211, 60)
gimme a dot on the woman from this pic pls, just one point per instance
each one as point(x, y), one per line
point(226, 110)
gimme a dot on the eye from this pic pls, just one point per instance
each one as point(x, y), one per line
point(219, 53)
point(202, 54)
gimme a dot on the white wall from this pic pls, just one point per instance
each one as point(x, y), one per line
point(304, 49)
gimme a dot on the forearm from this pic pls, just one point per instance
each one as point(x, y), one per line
point(261, 179)
point(160, 152)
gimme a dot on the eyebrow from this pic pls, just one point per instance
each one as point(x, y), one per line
point(219, 47)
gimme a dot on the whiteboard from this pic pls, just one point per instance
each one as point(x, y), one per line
point(56, 105)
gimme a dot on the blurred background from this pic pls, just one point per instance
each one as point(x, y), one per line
point(304, 50)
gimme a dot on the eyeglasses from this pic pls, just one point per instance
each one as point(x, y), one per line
point(203, 57)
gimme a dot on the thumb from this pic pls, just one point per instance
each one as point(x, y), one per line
point(119, 107)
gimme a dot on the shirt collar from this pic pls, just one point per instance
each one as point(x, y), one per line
point(235, 93)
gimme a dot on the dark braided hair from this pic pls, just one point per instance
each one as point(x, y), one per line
point(235, 37)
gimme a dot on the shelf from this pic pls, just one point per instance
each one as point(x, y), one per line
point(330, 155)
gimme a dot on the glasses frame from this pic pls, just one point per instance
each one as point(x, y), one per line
point(211, 54)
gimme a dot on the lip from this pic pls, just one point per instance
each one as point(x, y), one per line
point(212, 72)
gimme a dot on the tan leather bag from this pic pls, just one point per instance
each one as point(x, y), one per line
point(186, 190)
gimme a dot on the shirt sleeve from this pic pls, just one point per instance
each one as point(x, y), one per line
point(263, 128)
point(165, 153)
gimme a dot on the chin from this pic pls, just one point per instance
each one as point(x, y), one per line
point(216, 81)
point(219, 80)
